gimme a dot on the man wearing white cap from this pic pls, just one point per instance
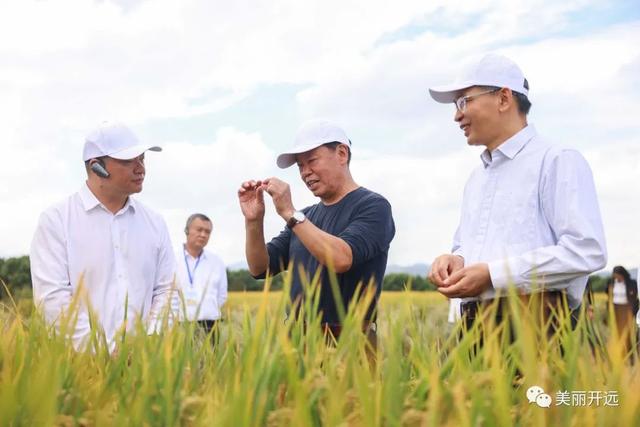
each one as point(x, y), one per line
point(530, 215)
point(102, 247)
point(349, 230)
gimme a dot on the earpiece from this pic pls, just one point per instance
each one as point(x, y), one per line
point(98, 168)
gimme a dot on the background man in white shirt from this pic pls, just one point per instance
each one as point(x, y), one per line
point(104, 242)
point(530, 215)
point(202, 276)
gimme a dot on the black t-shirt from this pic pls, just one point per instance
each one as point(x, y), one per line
point(363, 220)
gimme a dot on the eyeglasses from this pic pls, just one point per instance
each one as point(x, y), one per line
point(461, 103)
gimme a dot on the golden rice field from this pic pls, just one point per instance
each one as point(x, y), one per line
point(268, 372)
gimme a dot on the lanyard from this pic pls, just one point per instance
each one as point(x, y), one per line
point(195, 267)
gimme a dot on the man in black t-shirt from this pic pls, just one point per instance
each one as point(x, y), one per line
point(350, 228)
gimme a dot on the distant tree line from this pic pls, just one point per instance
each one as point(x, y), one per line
point(241, 280)
point(15, 274)
point(598, 283)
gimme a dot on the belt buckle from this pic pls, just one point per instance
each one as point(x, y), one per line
point(469, 308)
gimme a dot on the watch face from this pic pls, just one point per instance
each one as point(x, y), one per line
point(298, 216)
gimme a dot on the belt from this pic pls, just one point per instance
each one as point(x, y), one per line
point(548, 300)
point(207, 323)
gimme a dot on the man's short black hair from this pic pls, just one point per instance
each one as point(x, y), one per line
point(334, 145)
point(192, 218)
point(524, 105)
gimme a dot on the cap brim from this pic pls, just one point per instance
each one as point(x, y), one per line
point(133, 152)
point(448, 93)
point(285, 160)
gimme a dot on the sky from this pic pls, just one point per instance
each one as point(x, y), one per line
point(223, 86)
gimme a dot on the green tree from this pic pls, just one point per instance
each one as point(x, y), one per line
point(16, 274)
point(598, 283)
point(401, 281)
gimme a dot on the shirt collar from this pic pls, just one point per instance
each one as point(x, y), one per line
point(203, 254)
point(90, 201)
point(512, 146)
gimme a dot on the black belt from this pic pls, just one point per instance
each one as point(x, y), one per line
point(470, 309)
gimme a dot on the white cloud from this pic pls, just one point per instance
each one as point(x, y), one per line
point(569, 76)
point(583, 89)
point(425, 195)
point(616, 169)
point(67, 65)
point(187, 178)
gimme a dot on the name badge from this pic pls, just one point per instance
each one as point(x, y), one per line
point(191, 297)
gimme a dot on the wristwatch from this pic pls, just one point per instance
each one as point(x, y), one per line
point(296, 218)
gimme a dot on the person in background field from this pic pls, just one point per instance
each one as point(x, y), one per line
point(202, 277)
point(638, 313)
point(623, 295)
point(530, 215)
point(350, 229)
point(105, 241)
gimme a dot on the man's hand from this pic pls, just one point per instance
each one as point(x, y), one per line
point(251, 200)
point(281, 195)
point(443, 267)
point(469, 281)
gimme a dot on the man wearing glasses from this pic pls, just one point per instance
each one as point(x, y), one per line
point(100, 252)
point(530, 215)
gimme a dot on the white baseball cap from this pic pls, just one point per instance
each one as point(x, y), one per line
point(491, 70)
point(310, 135)
point(114, 140)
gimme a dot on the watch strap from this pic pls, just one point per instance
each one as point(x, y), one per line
point(293, 221)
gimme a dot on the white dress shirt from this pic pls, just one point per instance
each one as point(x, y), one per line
point(125, 263)
point(530, 211)
point(203, 283)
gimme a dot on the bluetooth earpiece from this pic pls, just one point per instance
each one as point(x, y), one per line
point(97, 166)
